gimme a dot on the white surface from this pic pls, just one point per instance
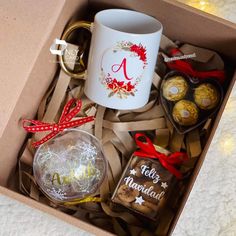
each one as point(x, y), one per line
point(17, 219)
point(211, 208)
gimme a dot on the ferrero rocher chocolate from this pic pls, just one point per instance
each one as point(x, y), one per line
point(175, 88)
point(206, 96)
point(185, 113)
point(143, 186)
point(69, 167)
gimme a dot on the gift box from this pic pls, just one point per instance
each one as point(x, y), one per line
point(28, 70)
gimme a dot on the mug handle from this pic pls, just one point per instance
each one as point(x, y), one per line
point(79, 24)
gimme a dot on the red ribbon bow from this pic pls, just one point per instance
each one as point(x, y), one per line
point(148, 150)
point(185, 67)
point(64, 122)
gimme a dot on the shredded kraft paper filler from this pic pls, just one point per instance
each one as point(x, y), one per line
point(111, 127)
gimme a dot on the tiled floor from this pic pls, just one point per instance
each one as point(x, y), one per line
point(211, 208)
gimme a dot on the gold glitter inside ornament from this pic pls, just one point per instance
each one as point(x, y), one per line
point(175, 88)
point(185, 113)
point(69, 167)
point(206, 96)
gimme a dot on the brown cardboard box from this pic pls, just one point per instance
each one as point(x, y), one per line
point(28, 28)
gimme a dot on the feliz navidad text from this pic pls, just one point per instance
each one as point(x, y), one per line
point(149, 191)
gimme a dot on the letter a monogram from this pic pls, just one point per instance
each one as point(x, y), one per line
point(123, 64)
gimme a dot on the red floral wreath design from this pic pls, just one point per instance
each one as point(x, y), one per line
point(141, 52)
point(119, 87)
point(124, 89)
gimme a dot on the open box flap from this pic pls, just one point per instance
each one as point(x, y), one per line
point(24, 30)
point(27, 66)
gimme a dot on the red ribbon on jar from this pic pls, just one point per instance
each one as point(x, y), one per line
point(148, 150)
point(65, 122)
point(185, 67)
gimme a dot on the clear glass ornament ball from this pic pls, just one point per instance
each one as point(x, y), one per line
point(70, 166)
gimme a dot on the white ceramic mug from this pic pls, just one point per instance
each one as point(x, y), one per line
point(122, 57)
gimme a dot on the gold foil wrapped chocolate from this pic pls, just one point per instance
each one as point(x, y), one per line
point(70, 167)
point(185, 113)
point(206, 96)
point(189, 102)
point(175, 88)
